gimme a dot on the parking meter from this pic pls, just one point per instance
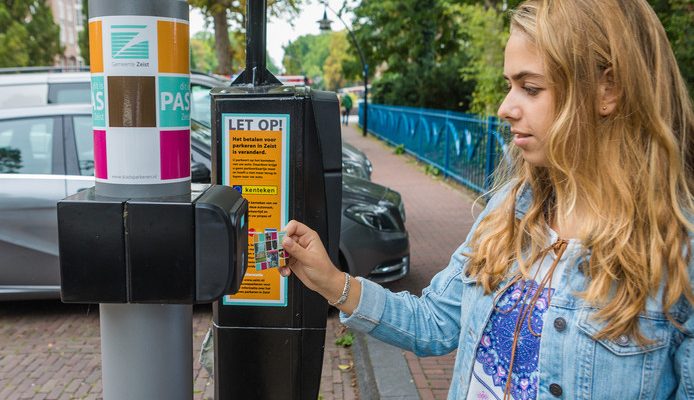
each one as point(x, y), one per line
point(279, 146)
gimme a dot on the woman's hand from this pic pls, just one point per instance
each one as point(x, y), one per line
point(310, 263)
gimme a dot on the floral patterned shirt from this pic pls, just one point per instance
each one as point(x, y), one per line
point(493, 356)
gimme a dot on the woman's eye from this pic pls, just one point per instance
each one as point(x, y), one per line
point(532, 91)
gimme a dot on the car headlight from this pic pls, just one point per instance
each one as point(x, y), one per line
point(374, 216)
point(351, 168)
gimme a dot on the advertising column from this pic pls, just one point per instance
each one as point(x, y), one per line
point(141, 104)
point(141, 117)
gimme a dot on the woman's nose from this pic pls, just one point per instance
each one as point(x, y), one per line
point(508, 110)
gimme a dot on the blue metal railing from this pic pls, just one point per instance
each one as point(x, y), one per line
point(461, 146)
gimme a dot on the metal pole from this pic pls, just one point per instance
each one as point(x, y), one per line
point(366, 100)
point(489, 159)
point(141, 66)
point(256, 73)
point(146, 351)
point(255, 40)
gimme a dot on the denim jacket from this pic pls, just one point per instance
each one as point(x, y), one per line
point(453, 311)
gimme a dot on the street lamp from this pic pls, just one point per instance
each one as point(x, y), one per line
point(324, 25)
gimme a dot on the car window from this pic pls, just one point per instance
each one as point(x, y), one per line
point(63, 93)
point(84, 139)
point(26, 145)
point(200, 108)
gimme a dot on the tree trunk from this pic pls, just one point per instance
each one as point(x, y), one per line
point(222, 46)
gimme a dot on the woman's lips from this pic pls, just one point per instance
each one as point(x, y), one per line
point(521, 139)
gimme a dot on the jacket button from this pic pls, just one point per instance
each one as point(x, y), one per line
point(582, 268)
point(560, 324)
point(555, 390)
point(623, 340)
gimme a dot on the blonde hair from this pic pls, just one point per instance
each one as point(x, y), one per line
point(632, 171)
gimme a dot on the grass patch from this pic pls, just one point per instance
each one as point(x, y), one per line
point(345, 340)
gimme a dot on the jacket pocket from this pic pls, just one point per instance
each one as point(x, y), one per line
point(622, 368)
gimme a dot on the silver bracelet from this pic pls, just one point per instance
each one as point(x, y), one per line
point(344, 295)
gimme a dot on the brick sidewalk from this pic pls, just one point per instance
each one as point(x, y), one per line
point(439, 216)
point(338, 379)
point(51, 351)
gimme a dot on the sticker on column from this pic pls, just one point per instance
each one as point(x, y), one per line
point(96, 50)
point(174, 101)
point(173, 47)
point(98, 102)
point(133, 155)
point(100, 161)
point(174, 155)
point(255, 161)
point(132, 49)
point(132, 101)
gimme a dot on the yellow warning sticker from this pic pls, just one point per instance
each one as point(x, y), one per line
point(255, 161)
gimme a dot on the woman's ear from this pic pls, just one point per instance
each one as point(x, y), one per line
point(607, 94)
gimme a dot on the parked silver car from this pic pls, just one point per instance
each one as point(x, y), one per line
point(46, 154)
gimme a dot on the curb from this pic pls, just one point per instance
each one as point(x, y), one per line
point(382, 370)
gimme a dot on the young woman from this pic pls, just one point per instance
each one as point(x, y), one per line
point(576, 280)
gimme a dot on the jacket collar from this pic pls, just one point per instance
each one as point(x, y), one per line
point(524, 198)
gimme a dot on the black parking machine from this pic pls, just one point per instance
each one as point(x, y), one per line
point(280, 147)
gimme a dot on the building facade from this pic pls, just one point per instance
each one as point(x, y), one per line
point(68, 15)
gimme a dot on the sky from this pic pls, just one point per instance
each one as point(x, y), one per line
point(279, 33)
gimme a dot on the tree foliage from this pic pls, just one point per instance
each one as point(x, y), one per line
point(202, 56)
point(678, 19)
point(413, 48)
point(229, 15)
point(333, 76)
point(483, 35)
point(202, 52)
point(28, 35)
point(449, 53)
point(83, 35)
point(321, 59)
point(306, 56)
